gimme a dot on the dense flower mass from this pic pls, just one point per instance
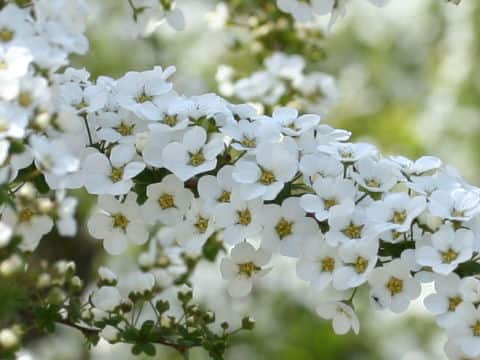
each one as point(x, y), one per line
point(175, 174)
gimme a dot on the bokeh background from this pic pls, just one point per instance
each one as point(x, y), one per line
point(409, 82)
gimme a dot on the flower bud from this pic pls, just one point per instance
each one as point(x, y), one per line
point(11, 265)
point(185, 296)
point(248, 323)
point(162, 306)
point(87, 315)
point(106, 277)
point(44, 280)
point(76, 284)
point(8, 339)
point(110, 334)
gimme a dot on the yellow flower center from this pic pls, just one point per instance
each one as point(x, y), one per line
point(361, 265)
point(476, 328)
point(329, 203)
point(201, 224)
point(3, 65)
point(346, 154)
point(4, 125)
point(225, 197)
point(399, 217)
point(458, 213)
point(81, 105)
point(24, 99)
point(248, 268)
point(25, 215)
point(170, 120)
point(267, 177)
point(353, 231)
point(120, 221)
point(124, 129)
point(449, 256)
point(197, 159)
point(116, 175)
point(284, 228)
point(244, 217)
point(6, 35)
point(395, 285)
point(250, 143)
point(372, 183)
point(328, 264)
point(166, 201)
point(453, 302)
point(143, 98)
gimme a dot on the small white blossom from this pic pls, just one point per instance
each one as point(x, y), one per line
point(245, 264)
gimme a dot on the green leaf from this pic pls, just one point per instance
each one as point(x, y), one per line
point(149, 349)
point(40, 184)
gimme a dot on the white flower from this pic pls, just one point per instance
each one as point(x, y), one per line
point(106, 275)
point(215, 191)
point(396, 211)
point(82, 98)
point(455, 205)
point(446, 299)
point(240, 219)
point(155, 140)
point(29, 224)
point(13, 121)
point(33, 92)
point(175, 114)
point(106, 298)
point(349, 223)
point(313, 166)
point(245, 264)
point(140, 283)
point(119, 126)
point(138, 91)
point(264, 177)
point(286, 227)
point(470, 289)
point(194, 155)
point(393, 287)
point(318, 262)
point(449, 249)
point(65, 220)
point(53, 156)
point(246, 135)
point(167, 201)
point(154, 13)
point(116, 223)
point(348, 152)
point(110, 334)
point(329, 192)
point(111, 175)
point(376, 176)
point(293, 125)
point(14, 61)
point(358, 259)
point(465, 333)
point(424, 166)
point(197, 226)
point(5, 234)
point(342, 315)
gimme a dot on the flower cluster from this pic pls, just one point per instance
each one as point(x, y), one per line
point(304, 11)
point(148, 15)
point(181, 175)
point(307, 11)
point(283, 78)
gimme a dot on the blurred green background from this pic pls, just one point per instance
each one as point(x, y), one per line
point(410, 83)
